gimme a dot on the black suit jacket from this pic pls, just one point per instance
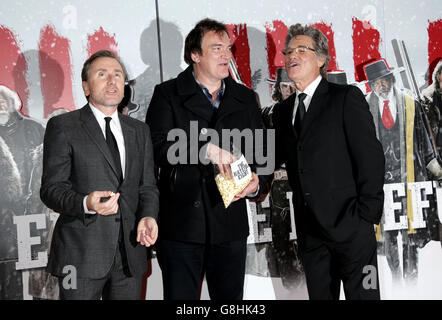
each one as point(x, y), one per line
point(191, 208)
point(77, 161)
point(335, 166)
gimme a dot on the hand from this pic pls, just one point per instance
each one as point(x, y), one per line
point(147, 231)
point(222, 158)
point(93, 202)
point(250, 189)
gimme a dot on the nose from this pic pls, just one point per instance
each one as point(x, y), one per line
point(111, 79)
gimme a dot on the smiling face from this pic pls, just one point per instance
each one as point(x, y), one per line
point(212, 65)
point(303, 67)
point(105, 84)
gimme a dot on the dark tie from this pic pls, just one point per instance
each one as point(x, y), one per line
point(300, 112)
point(113, 147)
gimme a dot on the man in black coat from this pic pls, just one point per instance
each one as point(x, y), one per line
point(198, 234)
point(335, 164)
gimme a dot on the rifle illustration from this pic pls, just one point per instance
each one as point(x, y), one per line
point(234, 71)
point(403, 62)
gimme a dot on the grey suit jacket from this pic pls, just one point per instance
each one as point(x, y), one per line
point(77, 161)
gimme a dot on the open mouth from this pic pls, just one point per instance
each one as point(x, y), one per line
point(112, 91)
point(293, 64)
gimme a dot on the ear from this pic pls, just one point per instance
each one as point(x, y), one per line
point(321, 61)
point(195, 57)
point(86, 89)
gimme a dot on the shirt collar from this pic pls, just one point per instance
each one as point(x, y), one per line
point(206, 92)
point(311, 88)
point(99, 115)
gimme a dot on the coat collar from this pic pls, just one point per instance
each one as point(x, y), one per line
point(196, 101)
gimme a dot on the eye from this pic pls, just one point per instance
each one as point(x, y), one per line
point(301, 50)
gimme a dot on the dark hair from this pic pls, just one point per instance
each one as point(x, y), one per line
point(320, 42)
point(195, 37)
point(100, 54)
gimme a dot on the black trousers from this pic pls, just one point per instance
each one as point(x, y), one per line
point(184, 264)
point(354, 262)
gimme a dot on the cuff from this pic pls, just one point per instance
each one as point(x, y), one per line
point(253, 195)
point(85, 207)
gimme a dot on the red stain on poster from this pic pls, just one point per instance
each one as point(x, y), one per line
point(434, 45)
point(366, 41)
point(241, 51)
point(276, 32)
point(101, 40)
point(13, 67)
point(55, 71)
point(328, 32)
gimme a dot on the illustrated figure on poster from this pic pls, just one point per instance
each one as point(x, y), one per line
point(432, 102)
point(282, 250)
point(390, 106)
point(21, 137)
point(142, 86)
point(42, 285)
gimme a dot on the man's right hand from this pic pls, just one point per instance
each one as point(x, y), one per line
point(222, 158)
point(93, 202)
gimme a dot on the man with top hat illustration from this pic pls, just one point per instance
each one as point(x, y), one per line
point(410, 156)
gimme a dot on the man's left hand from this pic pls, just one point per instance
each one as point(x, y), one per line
point(250, 189)
point(147, 231)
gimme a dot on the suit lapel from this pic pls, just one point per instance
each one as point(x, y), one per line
point(129, 143)
point(287, 114)
point(318, 102)
point(231, 101)
point(92, 128)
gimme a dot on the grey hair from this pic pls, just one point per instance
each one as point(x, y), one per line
point(320, 42)
point(11, 96)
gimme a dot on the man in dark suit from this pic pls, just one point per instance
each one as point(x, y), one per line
point(335, 164)
point(198, 234)
point(98, 174)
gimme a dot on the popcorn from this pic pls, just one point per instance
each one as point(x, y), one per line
point(228, 188)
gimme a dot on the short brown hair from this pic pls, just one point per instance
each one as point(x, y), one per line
point(195, 37)
point(100, 54)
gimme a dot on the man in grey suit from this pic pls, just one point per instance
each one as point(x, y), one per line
point(98, 174)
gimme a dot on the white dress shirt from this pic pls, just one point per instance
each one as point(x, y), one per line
point(115, 127)
point(391, 104)
point(309, 91)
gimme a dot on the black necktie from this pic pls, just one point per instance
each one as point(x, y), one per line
point(300, 112)
point(113, 147)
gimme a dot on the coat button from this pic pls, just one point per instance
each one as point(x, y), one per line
point(307, 194)
point(196, 204)
point(203, 131)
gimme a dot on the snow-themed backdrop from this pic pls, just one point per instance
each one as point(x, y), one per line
point(44, 45)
